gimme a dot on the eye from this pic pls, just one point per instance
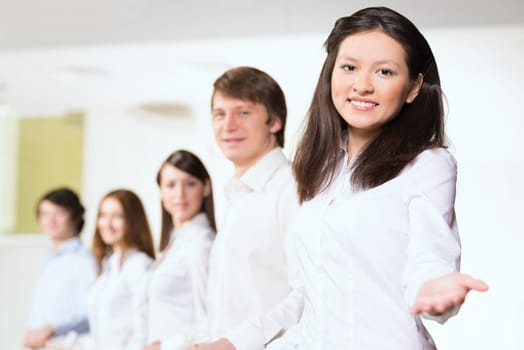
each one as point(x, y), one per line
point(218, 115)
point(386, 72)
point(348, 68)
point(244, 113)
point(168, 185)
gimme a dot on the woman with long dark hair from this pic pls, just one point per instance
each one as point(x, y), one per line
point(176, 294)
point(378, 243)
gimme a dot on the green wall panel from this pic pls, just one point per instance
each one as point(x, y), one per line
point(50, 154)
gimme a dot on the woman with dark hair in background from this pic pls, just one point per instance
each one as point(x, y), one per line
point(177, 288)
point(60, 293)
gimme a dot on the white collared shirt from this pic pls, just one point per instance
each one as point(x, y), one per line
point(177, 288)
point(248, 267)
point(364, 255)
point(114, 304)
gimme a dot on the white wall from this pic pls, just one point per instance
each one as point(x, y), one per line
point(8, 166)
point(482, 78)
point(481, 70)
point(20, 259)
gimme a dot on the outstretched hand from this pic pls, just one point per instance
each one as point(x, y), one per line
point(220, 344)
point(441, 294)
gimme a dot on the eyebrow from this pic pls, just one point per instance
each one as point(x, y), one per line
point(349, 58)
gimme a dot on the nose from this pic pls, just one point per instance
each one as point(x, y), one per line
point(103, 223)
point(230, 122)
point(179, 191)
point(362, 83)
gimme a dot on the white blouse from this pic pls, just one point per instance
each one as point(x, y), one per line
point(363, 256)
point(114, 305)
point(177, 290)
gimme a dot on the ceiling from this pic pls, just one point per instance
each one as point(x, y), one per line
point(51, 23)
point(61, 55)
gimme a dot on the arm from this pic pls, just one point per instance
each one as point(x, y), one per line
point(432, 283)
point(85, 274)
point(254, 333)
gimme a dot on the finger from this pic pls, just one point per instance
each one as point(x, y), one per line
point(418, 308)
point(475, 284)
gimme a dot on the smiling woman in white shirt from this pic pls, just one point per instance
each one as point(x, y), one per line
point(123, 248)
point(176, 295)
point(377, 244)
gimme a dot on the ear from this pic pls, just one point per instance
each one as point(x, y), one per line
point(275, 124)
point(207, 189)
point(415, 88)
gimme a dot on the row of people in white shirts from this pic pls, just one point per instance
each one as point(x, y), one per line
point(375, 234)
point(132, 295)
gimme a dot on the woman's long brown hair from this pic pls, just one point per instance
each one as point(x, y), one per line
point(137, 231)
point(418, 126)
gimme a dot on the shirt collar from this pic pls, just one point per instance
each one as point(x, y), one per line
point(70, 245)
point(343, 152)
point(116, 260)
point(256, 177)
point(199, 221)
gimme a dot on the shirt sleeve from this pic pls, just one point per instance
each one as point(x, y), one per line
point(434, 244)
point(255, 333)
point(85, 274)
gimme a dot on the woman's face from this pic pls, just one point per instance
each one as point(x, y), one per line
point(111, 223)
point(370, 81)
point(181, 194)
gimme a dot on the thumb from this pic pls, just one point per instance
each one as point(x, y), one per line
point(474, 284)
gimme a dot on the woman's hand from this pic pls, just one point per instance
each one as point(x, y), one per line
point(153, 346)
point(441, 294)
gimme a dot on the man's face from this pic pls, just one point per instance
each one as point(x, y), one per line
point(55, 221)
point(243, 130)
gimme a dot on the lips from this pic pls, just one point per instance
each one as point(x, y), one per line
point(362, 104)
point(232, 141)
point(180, 205)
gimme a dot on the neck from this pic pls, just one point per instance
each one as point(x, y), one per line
point(120, 248)
point(178, 222)
point(358, 141)
point(58, 243)
point(242, 168)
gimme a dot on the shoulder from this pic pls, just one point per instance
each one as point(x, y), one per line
point(283, 180)
point(136, 261)
point(437, 157)
point(434, 163)
point(203, 238)
point(82, 257)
